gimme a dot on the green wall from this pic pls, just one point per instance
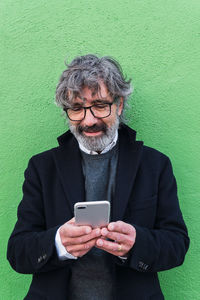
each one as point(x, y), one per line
point(157, 43)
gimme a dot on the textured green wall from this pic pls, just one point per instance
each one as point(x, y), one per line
point(157, 43)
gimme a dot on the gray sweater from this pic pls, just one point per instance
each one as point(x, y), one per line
point(91, 274)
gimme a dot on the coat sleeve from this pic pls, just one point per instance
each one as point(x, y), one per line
point(165, 245)
point(31, 247)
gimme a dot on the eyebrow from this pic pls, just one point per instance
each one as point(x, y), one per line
point(85, 99)
point(100, 101)
point(96, 101)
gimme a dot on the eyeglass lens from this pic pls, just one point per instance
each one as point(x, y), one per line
point(98, 111)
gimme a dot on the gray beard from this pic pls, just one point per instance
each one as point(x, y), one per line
point(97, 144)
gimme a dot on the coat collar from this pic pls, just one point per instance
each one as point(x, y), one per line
point(68, 161)
point(130, 152)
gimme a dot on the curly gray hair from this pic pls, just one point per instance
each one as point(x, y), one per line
point(88, 71)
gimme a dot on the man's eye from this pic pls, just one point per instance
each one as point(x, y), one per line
point(100, 106)
point(77, 109)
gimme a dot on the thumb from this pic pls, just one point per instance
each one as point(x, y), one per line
point(72, 221)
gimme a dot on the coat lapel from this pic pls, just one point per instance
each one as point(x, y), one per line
point(68, 163)
point(130, 152)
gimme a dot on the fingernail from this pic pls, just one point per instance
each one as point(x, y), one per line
point(88, 230)
point(104, 231)
point(97, 231)
point(110, 226)
point(100, 243)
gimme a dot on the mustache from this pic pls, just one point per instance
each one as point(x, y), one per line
point(93, 128)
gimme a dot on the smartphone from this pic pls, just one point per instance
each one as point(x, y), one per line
point(93, 213)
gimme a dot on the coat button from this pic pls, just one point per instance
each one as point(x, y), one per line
point(142, 265)
point(39, 259)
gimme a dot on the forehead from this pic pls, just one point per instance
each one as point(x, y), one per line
point(88, 94)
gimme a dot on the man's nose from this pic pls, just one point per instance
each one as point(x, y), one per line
point(89, 119)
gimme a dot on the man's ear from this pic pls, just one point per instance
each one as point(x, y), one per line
point(121, 106)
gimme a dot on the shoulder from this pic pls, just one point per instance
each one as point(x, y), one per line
point(41, 163)
point(44, 156)
point(153, 158)
point(155, 161)
point(48, 164)
point(48, 161)
point(154, 154)
point(148, 154)
point(65, 141)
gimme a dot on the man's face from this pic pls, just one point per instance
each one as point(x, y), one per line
point(93, 133)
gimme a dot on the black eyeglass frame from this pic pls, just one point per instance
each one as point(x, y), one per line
point(90, 108)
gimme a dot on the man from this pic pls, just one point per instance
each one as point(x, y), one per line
point(98, 159)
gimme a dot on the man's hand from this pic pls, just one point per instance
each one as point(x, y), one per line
point(78, 240)
point(122, 235)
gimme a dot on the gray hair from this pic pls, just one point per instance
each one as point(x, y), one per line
point(88, 71)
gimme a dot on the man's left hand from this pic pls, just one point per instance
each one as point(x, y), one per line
point(123, 237)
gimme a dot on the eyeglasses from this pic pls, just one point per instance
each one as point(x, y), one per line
point(100, 111)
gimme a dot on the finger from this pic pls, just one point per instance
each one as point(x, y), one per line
point(121, 227)
point(82, 239)
point(80, 253)
point(112, 247)
point(72, 221)
point(81, 247)
point(115, 236)
point(69, 230)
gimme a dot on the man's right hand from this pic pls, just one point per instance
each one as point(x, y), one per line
point(78, 240)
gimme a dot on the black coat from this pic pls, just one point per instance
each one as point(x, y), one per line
point(145, 196)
